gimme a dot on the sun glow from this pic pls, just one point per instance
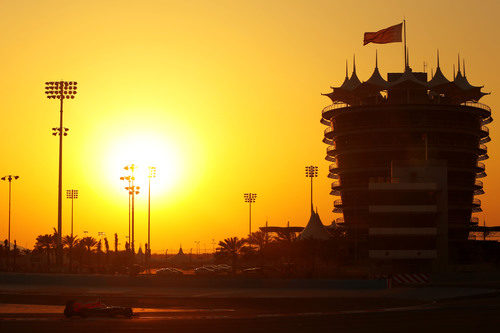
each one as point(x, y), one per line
point(146, 150)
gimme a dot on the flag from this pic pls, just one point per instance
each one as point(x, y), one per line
point(384, 36)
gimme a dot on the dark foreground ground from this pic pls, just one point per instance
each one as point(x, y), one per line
point(277, 315)
point(35, 304)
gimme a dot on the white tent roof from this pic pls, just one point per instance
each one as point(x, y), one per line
point(315, 229)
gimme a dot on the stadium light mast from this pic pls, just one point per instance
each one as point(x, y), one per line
point(72, 194)
point(133, 190)
point(152, 174)
point(127, 178)
point(250, 197)
point(60, 90)
point(311, 172)
point(9, 178)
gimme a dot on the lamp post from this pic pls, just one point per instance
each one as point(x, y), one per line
point(60, 90)
point(132, 191)
point(250, 197)
point(9, 178)
point(72, 194)
point(152, 174)
point(128, 179)
point(311, 172)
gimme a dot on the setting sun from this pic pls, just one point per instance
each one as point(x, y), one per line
point(146, 150)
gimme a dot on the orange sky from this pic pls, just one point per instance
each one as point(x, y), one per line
point(222, 96)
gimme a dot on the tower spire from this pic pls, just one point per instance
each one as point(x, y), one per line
point(463, 62)
point(438, 58)
point(407, 58)
point(346, 69)
point(458, 64)
point(354, 64)
point(376, 59)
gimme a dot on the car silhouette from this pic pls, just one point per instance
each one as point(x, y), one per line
point(96, 309)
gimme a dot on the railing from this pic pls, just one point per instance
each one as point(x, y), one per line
point(368, 124)
point(478, 183)
point(337, 203)
point(476, 202)
point(329, 129)
point(330, 148)
point(483, 157)
point(333, 166)
point(337, 105)
point(474, 220)
point(485, 129)
point(328, 141)
point(335, 185)
point(477, 105)
point(481, 166)
point(332, 175)
point(487, 120)
point(482, 146)
point(339, 220)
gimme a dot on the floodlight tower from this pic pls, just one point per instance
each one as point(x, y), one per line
point(250, 197)
point(72, 194)
point(60, 90)
point(152, 174)
point(128, 179)
point(311, 172)
point(9, 178)
point(132, 191)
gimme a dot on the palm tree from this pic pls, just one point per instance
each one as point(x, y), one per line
point(44, 243)
point(70, 241)
point(232, 247)
point(258, 239)
point(89, 243)
point(116, 242)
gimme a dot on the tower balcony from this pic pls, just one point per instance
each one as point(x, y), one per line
point(333, 167)
point(474, 221)
point(328, 110)
point(478, 106)
point(476, 205)
point(328, 141)
point(330, 149)
point(338, 207)
point(483, 157)
point(480, 167)
point(332, 175)
point(330, 158)
point(482, 149)
point(481, 175)
point(335, 188)
point(478, 187)
point(486, 121)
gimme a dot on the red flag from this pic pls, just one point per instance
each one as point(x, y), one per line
point(384, 36)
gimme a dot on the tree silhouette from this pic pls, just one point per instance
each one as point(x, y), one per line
point(232, 248)
point(116, 243)
point(45, 243)
point(70, 241)
point(89, 243)
point(258, 239)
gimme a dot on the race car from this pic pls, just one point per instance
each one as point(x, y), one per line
point(96, 309)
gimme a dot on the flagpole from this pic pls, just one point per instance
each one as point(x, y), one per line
point(404, 28)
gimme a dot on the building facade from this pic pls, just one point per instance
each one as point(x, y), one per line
point(406, 118)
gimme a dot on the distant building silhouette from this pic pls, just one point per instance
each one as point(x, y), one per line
point(315, 230)
point(407, 125)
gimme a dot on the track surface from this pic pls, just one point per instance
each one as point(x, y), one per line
point(460, 315)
